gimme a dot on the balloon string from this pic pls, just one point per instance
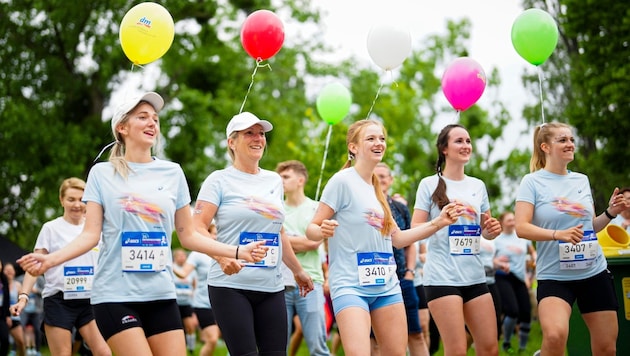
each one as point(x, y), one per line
point(249, 88)
point(377, 94)
point(374, 101)
point(133, 65)
point(457, 116)
point(540, 88)
point(321, 171)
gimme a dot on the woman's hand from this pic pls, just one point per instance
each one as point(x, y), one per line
point(304, 282)
point(35, 263)
point(328, 228)
point(573, 235)
point(17, 308)
point(450, 213)
point(254, 251)
point(617, 203)
point(491, 227)
point(229, 265)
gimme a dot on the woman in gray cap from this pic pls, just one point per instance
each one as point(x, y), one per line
point(136, 201)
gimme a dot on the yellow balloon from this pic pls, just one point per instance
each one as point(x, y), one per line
point(146, 32)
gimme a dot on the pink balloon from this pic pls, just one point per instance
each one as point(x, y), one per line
point(463, 83)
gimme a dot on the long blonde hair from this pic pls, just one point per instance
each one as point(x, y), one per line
point(355, 132)
point(543, 134)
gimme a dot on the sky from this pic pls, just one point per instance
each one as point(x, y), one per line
point(347, 23)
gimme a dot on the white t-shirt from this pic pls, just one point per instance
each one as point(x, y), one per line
point(55, 235)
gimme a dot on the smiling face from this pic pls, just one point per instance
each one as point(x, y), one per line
point(459, 146)
point(73, 207)
point(561, 146)
point(141, 126)
point(370, 144)
point(248, 144)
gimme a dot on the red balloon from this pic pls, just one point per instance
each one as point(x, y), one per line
point(262, 34)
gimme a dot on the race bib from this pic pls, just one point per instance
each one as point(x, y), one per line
point(375, 268)
point(77, 282)
point(183, 289)
point(272, 242)
point(464, 239)
point(144, 251)
point(581, 255)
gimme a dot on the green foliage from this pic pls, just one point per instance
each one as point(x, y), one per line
point(61, 62)
point(587, 87)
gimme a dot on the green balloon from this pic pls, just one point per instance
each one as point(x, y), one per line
point(333, 103)
point(534, 35)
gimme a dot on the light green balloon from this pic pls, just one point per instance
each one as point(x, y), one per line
point(535, 35)
point(333, 103)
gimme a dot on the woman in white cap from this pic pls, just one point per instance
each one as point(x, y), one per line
point(136, 201)
point(246, 203)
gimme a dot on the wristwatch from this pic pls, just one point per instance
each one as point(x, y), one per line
point(410, 270)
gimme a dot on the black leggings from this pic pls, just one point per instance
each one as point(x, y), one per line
point(4, 337)
point(251, 322)
point(514, 297)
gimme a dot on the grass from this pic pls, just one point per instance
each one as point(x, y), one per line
point(535, 339)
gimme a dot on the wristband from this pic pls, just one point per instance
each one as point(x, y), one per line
point(237, 251)
point(434, 224)
point(553, 236)
point(23, 296)
point(608, 214)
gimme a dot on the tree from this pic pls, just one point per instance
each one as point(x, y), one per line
point(587, 87)
point(61, 62)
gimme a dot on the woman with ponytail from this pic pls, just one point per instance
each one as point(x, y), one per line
point(355, 216)
point(454, 277)
point(136, 201)
point(555, 208)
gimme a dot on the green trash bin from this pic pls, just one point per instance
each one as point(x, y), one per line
point(579, 339)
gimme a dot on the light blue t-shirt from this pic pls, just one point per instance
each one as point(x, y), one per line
point(441, 267)
point(360, 218)
point(185, 287)
point(486, 253)
point(515, 249)
point(141, 206)
point(560, 202)
point(247, 203)
point(418, 278)
point(202, 263)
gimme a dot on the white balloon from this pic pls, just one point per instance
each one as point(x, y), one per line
point(388, 45)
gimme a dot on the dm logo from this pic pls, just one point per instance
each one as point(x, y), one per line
point(144, 22)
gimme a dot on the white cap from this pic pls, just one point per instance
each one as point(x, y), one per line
point(150, 97)
point(246, 120)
